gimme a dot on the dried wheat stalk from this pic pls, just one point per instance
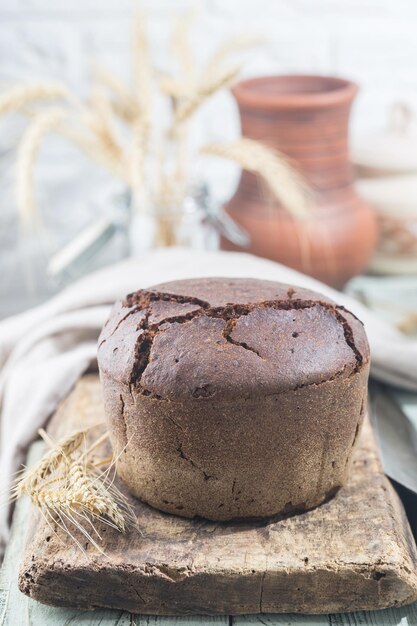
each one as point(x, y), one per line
point(100, 121)
point(95, 150)
point(16, 98)
point(137, 164)
point(175, 88)
point(180, 88)
point(32, 478)
point(48, 464)
point(69, 489)
point(285, 183)
point(172, 186)
point(142, 73)
point(99, 143)
point(42, 124)
point(180, 46)
point(122, 102)
point(203, 91)
point(60, 452)
point(94, 127)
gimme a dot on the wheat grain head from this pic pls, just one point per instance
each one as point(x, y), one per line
point(285, 183)
point(42, 124)
point(16, 98)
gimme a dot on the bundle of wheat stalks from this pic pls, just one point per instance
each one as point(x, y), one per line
point(72, 490)
point(115, 127)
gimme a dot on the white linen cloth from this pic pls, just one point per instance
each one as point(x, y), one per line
point(44, 351)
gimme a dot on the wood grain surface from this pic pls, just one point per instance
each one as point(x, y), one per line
point(353, 553)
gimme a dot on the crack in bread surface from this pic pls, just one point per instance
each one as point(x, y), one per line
point(142, 300)
point(119, 323)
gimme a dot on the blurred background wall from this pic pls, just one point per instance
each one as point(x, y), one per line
point(370, 41)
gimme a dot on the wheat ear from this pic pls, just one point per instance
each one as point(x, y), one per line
point(176, 88)
point(142, 72)
point(85, 491)
point(284, 181)
point(69, 490)
point(42, 124)
point(88, 144)
point(100, 120)
point(180, 47)
point(19, 96)
point(203, 91)
point(137, 164)
point(78, 501)
point(123, 102)
point(49, 463)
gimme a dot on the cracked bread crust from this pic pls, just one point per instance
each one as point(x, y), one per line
point(233, 398)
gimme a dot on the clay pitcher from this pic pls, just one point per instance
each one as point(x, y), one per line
point(307, 119)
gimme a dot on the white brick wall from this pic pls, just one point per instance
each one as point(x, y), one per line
point(371, 41)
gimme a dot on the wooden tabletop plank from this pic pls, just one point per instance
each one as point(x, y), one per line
point(281, 620)
point(403, 616)
point(190, 620)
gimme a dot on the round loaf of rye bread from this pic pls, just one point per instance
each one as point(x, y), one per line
point(233, 398)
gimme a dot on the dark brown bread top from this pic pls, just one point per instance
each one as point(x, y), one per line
point(229, 338)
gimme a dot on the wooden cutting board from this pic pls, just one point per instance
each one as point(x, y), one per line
point(353, 553)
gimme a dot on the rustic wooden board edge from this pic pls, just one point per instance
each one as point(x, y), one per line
point(218, 601)
point(393, 581)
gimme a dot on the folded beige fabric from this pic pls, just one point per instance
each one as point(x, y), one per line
point(44, 351)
